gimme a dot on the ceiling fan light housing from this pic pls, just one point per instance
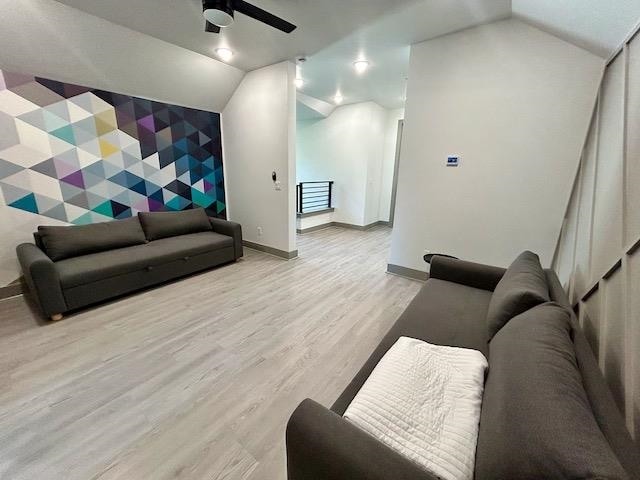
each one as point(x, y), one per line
point(218, 12)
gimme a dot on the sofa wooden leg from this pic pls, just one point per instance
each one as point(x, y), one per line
point(56, 317)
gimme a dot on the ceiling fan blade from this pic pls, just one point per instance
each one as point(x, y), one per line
point(211, 28)
point(263, 16)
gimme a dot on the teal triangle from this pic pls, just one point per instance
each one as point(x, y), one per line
point(84, 219)
point(65, 133)
point(200, 198)
point(27, 203)
point(220, 207)
point(177, 203)
point(104, 209)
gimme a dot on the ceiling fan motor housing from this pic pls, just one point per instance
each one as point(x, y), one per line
point(218, 12)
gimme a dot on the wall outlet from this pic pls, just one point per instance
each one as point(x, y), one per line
point(259, 231)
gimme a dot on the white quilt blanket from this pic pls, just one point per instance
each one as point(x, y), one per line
point(424, 401)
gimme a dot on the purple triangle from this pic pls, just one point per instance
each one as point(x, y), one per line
point(75, 179)
point(155, 205)
point(208, 186)
point(147, 122)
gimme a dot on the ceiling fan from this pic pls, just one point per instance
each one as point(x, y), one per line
point(219, 13)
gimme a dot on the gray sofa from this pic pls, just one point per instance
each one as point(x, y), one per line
point(514, 437)
point(72, 267)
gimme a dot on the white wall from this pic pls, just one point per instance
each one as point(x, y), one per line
point(389, 161)
point(52, 40)
point(258, 126)
point(514, 103)
point(347, 147)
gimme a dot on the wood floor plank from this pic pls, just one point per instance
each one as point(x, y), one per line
point(195, 379)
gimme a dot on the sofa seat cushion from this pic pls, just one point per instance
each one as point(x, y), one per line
point(442, 313)
point(98, 266)
point(536, 419)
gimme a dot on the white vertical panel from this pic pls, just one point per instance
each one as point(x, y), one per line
point(612, 336)
point(633, 144)
point(607, 209)
point(585, 211)
point(633, 342)
point(590, 321)
point(566, 248)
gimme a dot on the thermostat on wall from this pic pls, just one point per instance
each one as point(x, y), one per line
point(453, 161)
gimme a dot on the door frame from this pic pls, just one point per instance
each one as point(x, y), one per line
point(394, 187)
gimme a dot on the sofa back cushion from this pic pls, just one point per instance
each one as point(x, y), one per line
point(158, 225)
point(523, 286)
point(73, 241)
point(536, 420)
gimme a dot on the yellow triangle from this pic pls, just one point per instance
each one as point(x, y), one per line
point(106, 122)
point(107, 148)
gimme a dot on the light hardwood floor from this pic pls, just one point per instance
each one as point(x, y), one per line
point(196, 379)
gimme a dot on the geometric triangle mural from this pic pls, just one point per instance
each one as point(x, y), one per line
point(82, 155)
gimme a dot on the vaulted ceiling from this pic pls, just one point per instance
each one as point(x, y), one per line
point(334, 33)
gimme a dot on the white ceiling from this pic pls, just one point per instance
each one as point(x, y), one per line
point(599, 26)
point(334, 33)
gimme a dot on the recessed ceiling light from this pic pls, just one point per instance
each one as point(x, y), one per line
point(224, 54)
point(361, 66)
point(299, 82)
point(338, 98)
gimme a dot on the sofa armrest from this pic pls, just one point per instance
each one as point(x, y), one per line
point(476, 275)
point(42, 278)
point(231, 229)
point(321, 445)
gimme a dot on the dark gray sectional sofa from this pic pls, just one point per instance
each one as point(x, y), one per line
point(547, 411)
point(72, 267)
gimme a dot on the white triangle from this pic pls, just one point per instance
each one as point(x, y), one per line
point(93, 147)
point(137, 169)
point(127, 140)
point(99, 218)
point(199, 185)
point(45, 185)
point(45, 203)
point(113, 138)
point(74, 212)
point(153, 160)
point(83, 101)
point(21, 180)
point(23, 156)
point(99, 105)
point(101, 189)
point(13, 104)
point(76, 113)
point(116, 160)
point(168, 195)
point(86, 158)
point(114, 189)
point(35, 138)
point(58, 146)
point(133, 150)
